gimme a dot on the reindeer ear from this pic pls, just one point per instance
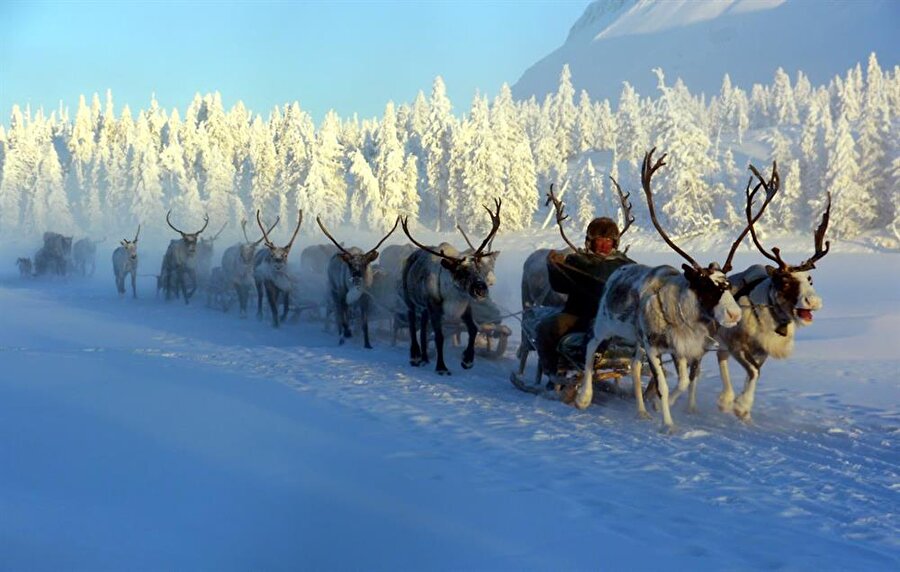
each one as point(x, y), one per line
point(372, 256)
point(770, 270)
point(345, 257)
point(449, 264)
point(689, 270)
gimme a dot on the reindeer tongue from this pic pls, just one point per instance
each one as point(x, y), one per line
point(805, 314)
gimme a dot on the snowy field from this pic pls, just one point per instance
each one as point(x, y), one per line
point(142, 435)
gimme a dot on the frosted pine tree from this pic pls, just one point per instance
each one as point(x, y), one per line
point(263, 192)
point(802, 92)
point(605, 131)
point(363, 187)
point(437, 145)
point(20, 161)
point(563, 114)
point(853, 209)
point(393, 181)
point(784, 108)
point(760, 114)
point(78, 178)
point(146, 191)
point(519, 176)
point(585, 187)
point(222, 203)
point(631, 139)
point(325, 179)
point(483, 169)
point(585, 131)
point(179, 189)
point(782, 213)
point(52, 210)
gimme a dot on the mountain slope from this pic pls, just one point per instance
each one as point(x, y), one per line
point(623, 40)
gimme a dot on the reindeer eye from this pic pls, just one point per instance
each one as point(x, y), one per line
point(810, 280)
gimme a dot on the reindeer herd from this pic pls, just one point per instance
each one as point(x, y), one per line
point(654, 311)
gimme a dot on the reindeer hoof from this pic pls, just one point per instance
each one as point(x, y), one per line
point(467, 364)
point(341, 342)
point(368, 346)
point(415, 362)
point(725, 403)
point(642, 414)
point(668, 429)
point(443, 372)
point(743, 415)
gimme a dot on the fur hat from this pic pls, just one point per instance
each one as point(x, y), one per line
point(603, 227)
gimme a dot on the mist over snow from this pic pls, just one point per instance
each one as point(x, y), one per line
point(615, 41)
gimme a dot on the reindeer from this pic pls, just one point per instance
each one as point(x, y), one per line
point(179, 266)
point(775, 301)
point(662, 311)
point(238, 265)
point(54, 256)
point(25, 267)
point(443, 283)
point(315, 257)
point(205, 256)
point(349, 279)
point(125, 261)
point(84, 253)
point(271, 272)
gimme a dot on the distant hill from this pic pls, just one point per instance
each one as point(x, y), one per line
point(699, 41)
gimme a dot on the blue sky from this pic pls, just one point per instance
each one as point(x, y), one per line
point(350, 56)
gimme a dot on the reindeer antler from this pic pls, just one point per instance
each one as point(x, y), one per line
point(404, 223)
point(774, 181)
point(626, 206)
point(218, 233)
point(647, 171)
point(771, 187)
point(466, 238)
point(256, 242)
point(380, 242)
point(560, 216)
point(296, 230)
point(495, 226)
point(809, 263)
point(265, 234)
point(137, 234)
point(331, 238)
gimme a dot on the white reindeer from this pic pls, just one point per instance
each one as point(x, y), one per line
point(237, 266)
point(271, 272)
point(661, 310)
point(125, 261)
point(775, 301)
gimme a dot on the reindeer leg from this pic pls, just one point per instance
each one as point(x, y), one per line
point(259, 299)
point(338, 304)
point(636, 383)
point(654, 357)
point(586, 390)
point(423, 336)
point(415, 353)
point(287, 303)
point(364, 312)
point(272, 297)
point(472, 329)
point(438, 327)
point(726, 397)
point(744, 402)
point(133, 285)
point(695, 380)
point(684, 379)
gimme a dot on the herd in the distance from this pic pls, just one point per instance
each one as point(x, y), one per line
point(655, 311)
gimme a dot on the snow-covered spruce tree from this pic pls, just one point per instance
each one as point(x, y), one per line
point(631, 139)
point(19, 167)
point(393, 177)
point(550, 166)
point(685, 198)
point(782, 213)
point(853, 209)
point(325, 183)
point(482, 176)
point(146, 190)
point(875, 133)
point(180, 190)
point(850, 94)
point(81, 149)
point(564, 113)
point(585, 132)
point(784, 107)
point(436, 146)
point(802, 93)
point(51, 205)
point(605, 130)
point(760, 114)
point(586, 193)
point(519, 190)
point(363, 188)
point(264, 195)
point(222, 203)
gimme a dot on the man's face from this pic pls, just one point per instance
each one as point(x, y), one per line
point(602, 245)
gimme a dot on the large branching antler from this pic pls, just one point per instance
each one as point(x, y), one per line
point(626, 206)
point(809, 263)
point(260, 239)
point(647, 170)
point(296, 229)
point(495, 226)
point(331, 238)
point(775, 255)
point(137, 234)
point(559, 207)
point(380, 242)
point(404, 223)
point(218, 233)
point(466, 238)
point(181, 232)
point(772, 186)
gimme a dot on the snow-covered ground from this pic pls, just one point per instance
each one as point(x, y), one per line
point(145, 435)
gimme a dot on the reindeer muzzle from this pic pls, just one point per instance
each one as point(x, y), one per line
point(479, 290)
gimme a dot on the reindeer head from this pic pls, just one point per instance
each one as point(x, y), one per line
point(130, 246)
point(793, 285)
point(709, 284)
point(278, 255)
point(487, 262)
point(356, 260)
point(469, 272)
point(189, 238)
point(205, 245)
